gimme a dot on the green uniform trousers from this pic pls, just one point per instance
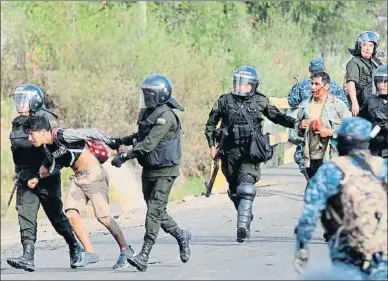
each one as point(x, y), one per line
point(156, 191)
point(236, 167)
point(48, 193)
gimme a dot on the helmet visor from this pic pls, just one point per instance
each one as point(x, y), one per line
point(379, 85)
point(243, 85)
point(149, 98)
point(21, 100)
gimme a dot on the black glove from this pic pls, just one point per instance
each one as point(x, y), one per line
point(119, 159)
point(115, 144)
point(128, 140)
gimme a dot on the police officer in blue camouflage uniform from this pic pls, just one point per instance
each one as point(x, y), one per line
point(302, 91)
point(327, 184)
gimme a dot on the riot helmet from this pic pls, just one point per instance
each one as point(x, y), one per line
point(244, 76)
point(366, 36)
point(28, 97)
point(157, 90)
point(380, 80)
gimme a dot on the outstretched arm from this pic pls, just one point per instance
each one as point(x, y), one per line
point(75, 135)
point(275, 115)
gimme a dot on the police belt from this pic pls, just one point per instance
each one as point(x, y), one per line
point(20, 168)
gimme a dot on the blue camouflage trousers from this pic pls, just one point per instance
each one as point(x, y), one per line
point(298, 157)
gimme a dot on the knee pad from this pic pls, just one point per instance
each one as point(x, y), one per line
point(246, 190)
point(248, 178)
point(246, 193)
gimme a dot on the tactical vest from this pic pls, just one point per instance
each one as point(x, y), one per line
point(168, 152)
point(329, 219)
point(25, 155)
point(242, 118)
point(378, 111)
point(328, 222)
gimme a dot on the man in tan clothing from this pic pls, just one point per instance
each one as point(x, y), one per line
point(67, 147)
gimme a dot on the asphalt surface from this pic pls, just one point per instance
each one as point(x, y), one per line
point(215, 252)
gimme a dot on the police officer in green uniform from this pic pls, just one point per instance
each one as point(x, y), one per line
point(157, 147)
point(241, 112)
point(28, 100)
point(360, 68)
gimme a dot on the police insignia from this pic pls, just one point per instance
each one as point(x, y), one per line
point(161, 121)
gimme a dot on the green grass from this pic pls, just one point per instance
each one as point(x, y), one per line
point(192, 186)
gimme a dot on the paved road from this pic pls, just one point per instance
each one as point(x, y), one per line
point(215, 253)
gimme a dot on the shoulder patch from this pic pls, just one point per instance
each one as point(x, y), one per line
point(160, 121)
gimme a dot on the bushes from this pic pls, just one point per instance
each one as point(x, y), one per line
point(90, 58)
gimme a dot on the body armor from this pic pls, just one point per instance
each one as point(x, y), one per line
point(168, 152)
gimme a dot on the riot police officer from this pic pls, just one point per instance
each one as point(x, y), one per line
point(29, 100)
point(157, 147)
point(378, 111)
point(241, 112)
point(360, 68)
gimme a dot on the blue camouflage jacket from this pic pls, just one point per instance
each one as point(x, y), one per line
point(326, 183)
point(302, 91)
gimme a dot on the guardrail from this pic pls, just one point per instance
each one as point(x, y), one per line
point(220, 182)
point(281, 103)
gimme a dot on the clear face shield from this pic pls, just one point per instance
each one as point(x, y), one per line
point(243, 85)
point(379, 85)
point(21, 101)
point(149, 98)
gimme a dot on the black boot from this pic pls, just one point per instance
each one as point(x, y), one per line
point(140, 261)
point(26, 261)
point(244, 230)
point(183, 237)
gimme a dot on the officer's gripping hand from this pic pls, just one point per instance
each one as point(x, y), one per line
point(119, 159)
point(115, 143)
point(300, 260)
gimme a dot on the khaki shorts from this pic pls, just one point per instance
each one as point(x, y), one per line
point(90, 184)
